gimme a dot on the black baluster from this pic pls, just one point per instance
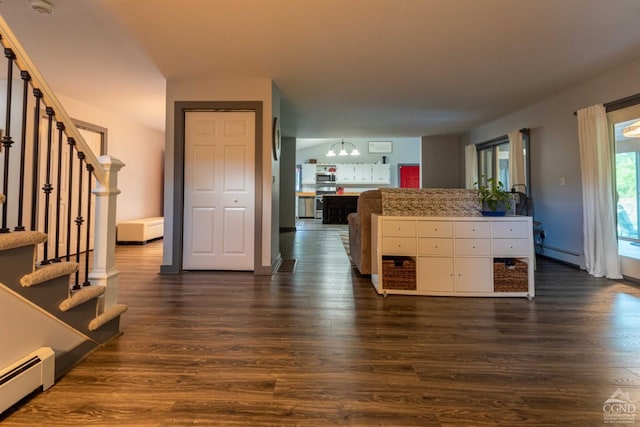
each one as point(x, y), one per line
point(26, 78)
point(61, 128)
point(7, 142)
point(72, 144)
point(36, 159)
point(79, 219)
point(47, 188)
point(88, 228)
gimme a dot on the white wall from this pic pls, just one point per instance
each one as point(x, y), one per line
point(140, 148)
point(221, 90)
point(555, 154)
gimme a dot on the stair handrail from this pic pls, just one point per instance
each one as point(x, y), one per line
point(24, 63)
point(104, 168)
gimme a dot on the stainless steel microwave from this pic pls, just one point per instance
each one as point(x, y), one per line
point(325, 177)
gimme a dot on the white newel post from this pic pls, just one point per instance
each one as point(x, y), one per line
point(104, 272)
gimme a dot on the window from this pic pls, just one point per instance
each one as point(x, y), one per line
point(627, 172)
point(493, 161)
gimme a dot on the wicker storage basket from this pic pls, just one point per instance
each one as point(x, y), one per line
point(399, 273)
point(510, 275)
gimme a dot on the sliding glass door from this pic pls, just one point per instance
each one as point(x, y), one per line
point(627, 171)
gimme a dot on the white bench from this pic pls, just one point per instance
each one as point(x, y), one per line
point(140, 231)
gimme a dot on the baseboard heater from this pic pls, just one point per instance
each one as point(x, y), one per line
point(32, 372)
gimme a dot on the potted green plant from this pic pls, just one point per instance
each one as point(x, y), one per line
point(495, 199)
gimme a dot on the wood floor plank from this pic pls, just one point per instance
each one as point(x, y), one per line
point(319, 347)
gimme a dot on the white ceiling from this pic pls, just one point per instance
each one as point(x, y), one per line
point(344, 68)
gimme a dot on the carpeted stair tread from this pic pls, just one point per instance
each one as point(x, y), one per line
point(81, 296)
point(107, 316)
point(48, 272)
point(2, 198)
point(18, 239)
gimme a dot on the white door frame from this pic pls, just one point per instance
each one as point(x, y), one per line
point(180, 108)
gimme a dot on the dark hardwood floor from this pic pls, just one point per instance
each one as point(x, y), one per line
point(320, 347)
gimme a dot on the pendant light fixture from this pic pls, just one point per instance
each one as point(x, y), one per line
point(343, 151)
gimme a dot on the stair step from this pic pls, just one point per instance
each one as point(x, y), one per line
point(21, 238)
point(48, 272)
point(107, 316)
point(2, 198)
point(81, 296)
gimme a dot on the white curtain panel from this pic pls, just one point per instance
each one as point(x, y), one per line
point(470, 165)
point(599, 229)
point(516, 160)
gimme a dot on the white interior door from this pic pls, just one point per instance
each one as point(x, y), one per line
point(219, 191)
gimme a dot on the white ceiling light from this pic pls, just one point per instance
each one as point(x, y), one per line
point(343, 151)
point(42, 6)
point(632, 131)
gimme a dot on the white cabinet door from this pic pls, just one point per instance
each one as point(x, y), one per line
point(363, 173)
point(219, 191)
point(345, 174)
point(381, 173)
point(435, 274)
point(309, 173)
point(473, 275)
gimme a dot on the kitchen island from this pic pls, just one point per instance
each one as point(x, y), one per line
point(336, 207)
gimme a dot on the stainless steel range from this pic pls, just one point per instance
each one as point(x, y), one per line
point(320, 192)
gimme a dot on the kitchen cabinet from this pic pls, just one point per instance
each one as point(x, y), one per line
point(345, 174)
point(308, 173)
point(381, 173)
point(455, 256)
point(363, 173)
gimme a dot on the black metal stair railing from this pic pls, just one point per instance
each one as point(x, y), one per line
point(44, 182)
point(7, 141)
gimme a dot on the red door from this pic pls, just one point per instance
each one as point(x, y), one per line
point(409, 176)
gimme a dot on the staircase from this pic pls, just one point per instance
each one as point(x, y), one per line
point(47, 289)
point(57, 207)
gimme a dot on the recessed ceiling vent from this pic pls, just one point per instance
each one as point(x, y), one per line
point(42, 6)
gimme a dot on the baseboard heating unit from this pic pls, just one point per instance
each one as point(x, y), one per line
point(32, 372)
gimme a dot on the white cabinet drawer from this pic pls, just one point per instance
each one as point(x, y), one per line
point(399, 228)
point(471, 229)
point(511, 230)
point(398, 246)
point(435, 229)
point(472, 247)
point(510, 247)
point(443, 247)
